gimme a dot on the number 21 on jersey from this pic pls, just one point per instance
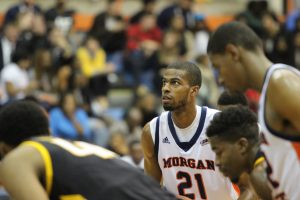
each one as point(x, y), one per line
point(187, 183)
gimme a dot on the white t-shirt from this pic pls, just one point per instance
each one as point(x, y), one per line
point(18, 77)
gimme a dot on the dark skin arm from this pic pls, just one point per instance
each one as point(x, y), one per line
point(247, 190)
point(19, 172)
point(259, 181)
point(150, 161)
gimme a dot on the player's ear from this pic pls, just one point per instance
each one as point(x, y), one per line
point(195, 90)
point(242, 145)
point(233, 51)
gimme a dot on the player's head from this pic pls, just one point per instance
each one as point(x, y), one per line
point(228, 49)
point(230, 98)
point(181, 84)
point(233, 135)
point(19, 121)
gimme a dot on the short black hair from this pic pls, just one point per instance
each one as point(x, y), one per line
point(234, 123)
point(192, 70)
point(21, 120)
point(236, 33)
point(232, 98)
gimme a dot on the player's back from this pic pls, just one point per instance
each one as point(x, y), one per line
point(80, 170)
point(188, 167)
point(282, 152)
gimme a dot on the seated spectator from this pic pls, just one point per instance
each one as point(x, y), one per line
point(135, 156)
point(70, 121)
point(8, 42)
point(180, 7)
point(92, 59)
point(275, 39)
point(22, 7)
point(209, 92)
point(60, 48)
point(15, 81)
point(186, 38)
point(202, 34)
point(43, 72)
point(109, 28)
point(148, 7)
point(143, 42)
point(61, 17)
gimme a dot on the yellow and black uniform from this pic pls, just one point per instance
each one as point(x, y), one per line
point(259, 158)
point(78, 171)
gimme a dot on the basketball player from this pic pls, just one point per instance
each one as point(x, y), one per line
point(232, 99)
point(236, 53)
point(176, 149)
point(40, 167)
point(234, 137)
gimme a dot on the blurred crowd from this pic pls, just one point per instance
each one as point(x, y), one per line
point(73, 73)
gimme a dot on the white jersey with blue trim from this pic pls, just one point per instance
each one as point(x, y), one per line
point(188, 163)
point(280, 151)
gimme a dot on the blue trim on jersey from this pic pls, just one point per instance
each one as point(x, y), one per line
point(187, 145)
point(156, 142)
point(271, 130)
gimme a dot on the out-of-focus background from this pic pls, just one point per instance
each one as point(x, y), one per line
point(96, 65)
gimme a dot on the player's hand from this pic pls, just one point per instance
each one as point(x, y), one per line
point(179, 197)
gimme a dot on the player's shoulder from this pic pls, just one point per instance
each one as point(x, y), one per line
point(282, 74)
point(21, 156)
point(210, 112)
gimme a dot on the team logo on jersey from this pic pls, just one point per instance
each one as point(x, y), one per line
point(204, 142)
point(166, 140)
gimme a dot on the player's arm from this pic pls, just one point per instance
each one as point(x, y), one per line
point(19, 174)
point(246, 190)
point(258, 178)
point(151, 165)
point(284, 96)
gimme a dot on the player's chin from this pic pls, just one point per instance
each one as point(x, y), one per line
point(168, 107)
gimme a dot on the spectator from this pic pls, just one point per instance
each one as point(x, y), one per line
point(202, 34)
point(274, 40)
point(135, 156)
point(182, 8)
point(92, 59)
point(60, 48)
point(109, 29)
point(69, 121)
point(15, 81)
point(143, 41)
point(24, 6)
point(209, 91)
point(148, 7)
point(61, 17)
point(8, 43)
point(43, 72)
point(186, 37)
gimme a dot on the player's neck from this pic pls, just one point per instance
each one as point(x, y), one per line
point(184, 117)
point(257, 64)
point(252, 157)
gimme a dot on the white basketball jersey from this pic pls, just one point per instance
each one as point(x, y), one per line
point(188, 168)
point(282, 153)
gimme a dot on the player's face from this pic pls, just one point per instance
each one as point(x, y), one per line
point(231, 73)
point(175, 89)
point(228, 158)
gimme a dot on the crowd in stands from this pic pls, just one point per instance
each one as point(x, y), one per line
point(73, 73)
